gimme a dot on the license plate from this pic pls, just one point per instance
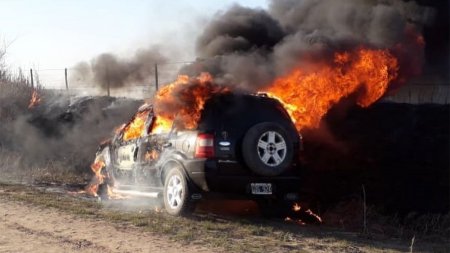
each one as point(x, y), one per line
point(261, 188)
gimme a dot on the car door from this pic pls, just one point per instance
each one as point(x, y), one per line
point(130, 140)
point(125, 156)
point(149, 147)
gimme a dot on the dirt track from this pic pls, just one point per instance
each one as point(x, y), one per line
point(26, 228)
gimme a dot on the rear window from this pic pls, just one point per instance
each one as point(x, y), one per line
point(238, 111)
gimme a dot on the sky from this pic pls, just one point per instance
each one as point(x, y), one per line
point(49, 34)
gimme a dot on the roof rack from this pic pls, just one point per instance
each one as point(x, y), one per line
point(261, 94)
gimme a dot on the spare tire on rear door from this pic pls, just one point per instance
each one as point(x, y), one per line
point(267, 149)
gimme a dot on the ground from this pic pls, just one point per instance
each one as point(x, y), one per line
point(49, 219)
point(27, 228)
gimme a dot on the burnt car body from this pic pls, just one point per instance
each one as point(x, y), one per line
point(245, 146)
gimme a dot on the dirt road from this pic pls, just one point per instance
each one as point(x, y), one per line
point(51, 219)
point(26, 228)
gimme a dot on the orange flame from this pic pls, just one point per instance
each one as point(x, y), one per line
point(182, 102)
point(161, 125)
point(297, 208)
point(96, 167)
point(136, 127)
point(98, 179)
point(35, 99)
point(308, 95)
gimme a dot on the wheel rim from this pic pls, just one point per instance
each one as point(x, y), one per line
point(174, 191)
point(271, 148)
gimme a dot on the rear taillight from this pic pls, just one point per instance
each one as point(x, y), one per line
point(204, 147)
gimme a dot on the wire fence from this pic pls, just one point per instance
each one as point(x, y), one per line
point(421, 94)
point(57, 81)
point(71, 81)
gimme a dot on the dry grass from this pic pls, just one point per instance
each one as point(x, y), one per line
point(232, 234)
point(15, 94)
point(18, 136)
point(15, 168)
point(349, 215)
point(431, 225)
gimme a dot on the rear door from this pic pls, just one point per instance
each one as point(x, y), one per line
point(228, 119)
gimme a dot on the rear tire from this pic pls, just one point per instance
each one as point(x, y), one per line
point(177, 193)
point(267, 149)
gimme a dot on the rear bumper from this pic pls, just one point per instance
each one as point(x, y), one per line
point(241, 185)
point(205, 177)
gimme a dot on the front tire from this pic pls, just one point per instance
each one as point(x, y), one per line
point(176, 193)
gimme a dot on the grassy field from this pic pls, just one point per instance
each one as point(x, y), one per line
point(229, 233)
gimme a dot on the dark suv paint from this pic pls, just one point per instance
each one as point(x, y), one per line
point(245, 146)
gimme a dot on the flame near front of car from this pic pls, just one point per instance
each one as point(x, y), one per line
point(136, 127)
point(161, 125)
point(97, 180)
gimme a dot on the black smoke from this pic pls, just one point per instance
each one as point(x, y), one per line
point(250, 47)
point(110, 70)
point(239, 30)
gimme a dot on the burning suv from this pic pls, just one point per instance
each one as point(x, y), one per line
point(244, 146)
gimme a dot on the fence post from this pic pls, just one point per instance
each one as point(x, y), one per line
point(156, 77)
point(107, 82)
point(107, 89)
point(65, 77)
point(31, 76)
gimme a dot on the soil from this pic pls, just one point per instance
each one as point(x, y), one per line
point(26, 228)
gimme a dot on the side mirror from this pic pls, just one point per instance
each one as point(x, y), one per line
point(167, 145)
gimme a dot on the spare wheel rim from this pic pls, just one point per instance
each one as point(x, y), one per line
point(271, 148)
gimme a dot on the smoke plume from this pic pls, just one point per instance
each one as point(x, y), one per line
point(63, 129)
point(110, 70)
point(250, 47)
